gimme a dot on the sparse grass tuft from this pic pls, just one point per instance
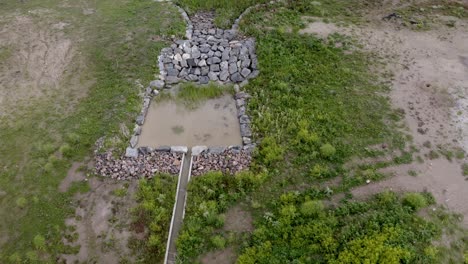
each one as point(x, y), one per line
point(192, 95)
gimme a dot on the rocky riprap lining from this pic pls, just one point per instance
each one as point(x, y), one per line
point(228, 160)
point(211, 54)
point(147, 164)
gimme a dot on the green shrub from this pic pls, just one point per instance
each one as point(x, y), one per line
point(327, 150)
point(218, 242)
point(312, 208)
point(66, 150)
point(39, 242)
point(270, 152)
point(414, 200)
point(21, 202)
point(15, 258)
point(32, 256)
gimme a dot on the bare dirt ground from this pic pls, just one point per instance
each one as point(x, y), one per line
point(36, 59)
point(430, 84)
point(102, 221)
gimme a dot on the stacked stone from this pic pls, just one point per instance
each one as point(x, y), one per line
point(244, 119)
point(146, 165)
point(211, 55)
point(231, 160)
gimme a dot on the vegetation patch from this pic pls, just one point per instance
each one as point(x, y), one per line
point(153, 216)
point(192, 95)
point(384, 229)
point(208, 198)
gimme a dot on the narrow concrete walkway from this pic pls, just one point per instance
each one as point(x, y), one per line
point(179, 210)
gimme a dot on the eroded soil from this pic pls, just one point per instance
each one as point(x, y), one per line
point(429, 84)
point(102, 221)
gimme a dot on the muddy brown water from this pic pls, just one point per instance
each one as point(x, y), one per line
point(212, 123)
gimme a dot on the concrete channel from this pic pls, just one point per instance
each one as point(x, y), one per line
point(178, 212)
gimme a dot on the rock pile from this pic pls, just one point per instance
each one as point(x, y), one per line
point(230, 161)
point(212, 54)
point(146, 165)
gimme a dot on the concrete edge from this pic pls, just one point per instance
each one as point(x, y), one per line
point(166, 255)
point(188, 182)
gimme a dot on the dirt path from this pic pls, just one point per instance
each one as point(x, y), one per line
point(430, 84)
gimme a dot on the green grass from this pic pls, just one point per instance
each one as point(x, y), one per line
point(31, 168)
point(192, 95)
point(155, 203)
point(209, 196)
point(382, 229)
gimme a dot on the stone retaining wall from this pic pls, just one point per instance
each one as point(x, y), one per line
point(228, 160)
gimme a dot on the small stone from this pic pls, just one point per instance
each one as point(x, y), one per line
point(246, 140)
point(172, 79)
point(216, 150)
point(204, 79)
point(131, 152)
point(213, 60)
point(205, 70)
point(140, 119)
point(218, 54)
point(158, 84)
point(172, 72)
point(236, 88)
point(237, 78)
point(197, 150)
point(232, 68)
point(196, 52)
point(245, 72)
point(134, 141)
point(240, 102)
point(191, 63)
point(183, 63)
point(185, 56)
point(223, 76)
point(224, 66)
point(137, 130)
point(213, 76)
point(244, 119)
point(178, 57)
point(245, 130)
point(202, 63)
point(214, 68)
point(179, 149)
point(163, 149)
point(225, 55)
point(183, 73)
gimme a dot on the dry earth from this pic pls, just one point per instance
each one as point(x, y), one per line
point(430, 84)
point(102, 221)
point(37, 61)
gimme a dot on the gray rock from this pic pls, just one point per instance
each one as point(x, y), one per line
point(244, 119)
point(229, 34)
point(204, 79)
point(163, 149)
point(214, 68)
point(195, 52)
point(131, 153)
point(240, 102)
point(223, 76)
point(179, 149)
point(169, 65)
point(205, 70)
point(183, 63)
point(193, 77)
point(186, 56)
point(233, 59)
point(242, 95)
point(172, 79)
point(254, 74)
point(158, 84)
point(224, 66)
point(236, 88)
point(246, 140)
point(241, 111)
point(213, 76)
point(245, 130)
point(134, 141)
point(197, 150)
point(218, 54)
point(178, 57)
point(202, 63)
point(232, 68)
point(225, 55)
point(245, 72)
point(197, 71)
point(245, 63)
point(213, 60)
point(210, 53)
point(237, 78)
point(140, 119)
point(137, 130)
point(205, 48)
point(172, 72)
point(183, 73)
point(216, 150)
point(191, 63)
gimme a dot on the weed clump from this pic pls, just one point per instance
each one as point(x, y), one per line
point(327, 150)
point(415, 201)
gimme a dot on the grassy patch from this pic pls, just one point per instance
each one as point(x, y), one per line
point(31, 166)
point(209, 196)
point(155, 203)
point(192, 95)
point(383, 229)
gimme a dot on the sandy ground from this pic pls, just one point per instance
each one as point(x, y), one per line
point(37, 61)
point(102, 221)
point(430, 84)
